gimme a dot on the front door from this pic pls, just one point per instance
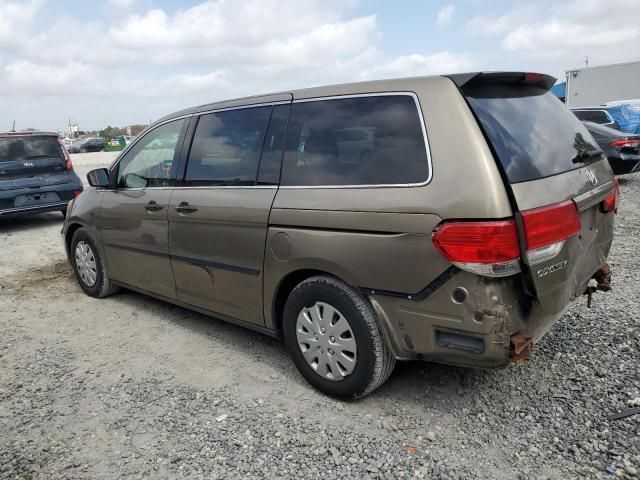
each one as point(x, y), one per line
point(218, 219)
point(133, 215)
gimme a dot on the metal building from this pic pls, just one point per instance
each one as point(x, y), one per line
point(592, 86)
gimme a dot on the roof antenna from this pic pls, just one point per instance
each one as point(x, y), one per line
point(13, 129)
point(586, 62)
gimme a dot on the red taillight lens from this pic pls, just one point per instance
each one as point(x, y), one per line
point(554, 223)
point(478, 242)
point(610, 204)
point(77, 192)
point(68, 165)
point(532, 77)
point(631, 142)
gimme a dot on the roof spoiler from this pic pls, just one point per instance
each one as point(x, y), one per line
point(466, 80)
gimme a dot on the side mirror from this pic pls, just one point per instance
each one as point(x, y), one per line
point(98, 178)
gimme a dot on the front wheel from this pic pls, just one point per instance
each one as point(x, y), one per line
point(88, 265)
point(333, 336)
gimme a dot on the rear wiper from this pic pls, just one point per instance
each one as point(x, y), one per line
point(587, 155)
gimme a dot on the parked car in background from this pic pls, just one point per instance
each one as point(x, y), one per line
point(623, 117)
point(622, 149)
point(635, 103)
point(115, 144)
point(599, 115)
point(354, 222)
point(88, 145)
point(36, 174)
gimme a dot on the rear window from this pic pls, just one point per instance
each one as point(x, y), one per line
point(29, 148)
point(595, 116)
point(533, 134)
point(372, 140)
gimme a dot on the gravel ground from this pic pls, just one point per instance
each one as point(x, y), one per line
point(133, 387)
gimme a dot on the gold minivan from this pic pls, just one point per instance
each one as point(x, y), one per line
point(447, 218)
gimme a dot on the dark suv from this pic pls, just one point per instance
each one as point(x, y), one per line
point(88, 145)
point(36, 174)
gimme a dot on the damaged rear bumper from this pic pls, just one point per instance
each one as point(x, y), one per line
point(470, 321)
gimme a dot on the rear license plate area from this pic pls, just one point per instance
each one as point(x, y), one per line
point(36, 199)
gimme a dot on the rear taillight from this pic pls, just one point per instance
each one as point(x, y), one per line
point(610, 204)
point(547, 228)
point(629, 143)
point(546, 225)
point(485, 248)
point(68, 165)
point(492, 248)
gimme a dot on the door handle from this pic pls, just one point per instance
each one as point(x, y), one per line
point(184, 207)
point(152, 206)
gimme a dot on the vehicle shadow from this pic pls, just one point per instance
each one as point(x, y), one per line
point(413, 382)
point(29, 222)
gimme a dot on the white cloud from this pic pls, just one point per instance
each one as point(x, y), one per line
point(559, 35)
point(445, 15)
point(417, 65)
point(122, 3)
point(496, 24)
point(15, 20)
point(251, 32)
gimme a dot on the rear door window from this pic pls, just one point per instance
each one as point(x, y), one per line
point(226, 147)
point(30, 147)
point(533, 134)
point(369, 140)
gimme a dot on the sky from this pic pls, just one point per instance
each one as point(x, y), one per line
point(122, 62)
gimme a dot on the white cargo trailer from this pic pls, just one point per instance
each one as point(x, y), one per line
point(593, 86)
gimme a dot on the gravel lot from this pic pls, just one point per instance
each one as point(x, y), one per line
point(133, 387)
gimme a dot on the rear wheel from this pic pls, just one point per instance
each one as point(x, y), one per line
point(334, 338)
point(88, 266)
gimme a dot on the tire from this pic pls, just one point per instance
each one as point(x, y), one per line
point(372, 361)
point(83, 150)
point(64, 212)
point(101, 286)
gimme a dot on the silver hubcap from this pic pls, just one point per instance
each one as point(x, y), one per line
point(86, 263)
point(326, 341)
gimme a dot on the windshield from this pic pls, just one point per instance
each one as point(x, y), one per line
point(533, 134)
point(25, 148)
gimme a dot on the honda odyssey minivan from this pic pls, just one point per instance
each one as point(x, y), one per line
point(448, 218)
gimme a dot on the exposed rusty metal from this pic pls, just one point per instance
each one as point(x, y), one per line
point(521, 345)
point(603, 282)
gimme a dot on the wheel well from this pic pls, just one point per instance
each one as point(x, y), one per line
point(69, 235)
point(287, 284)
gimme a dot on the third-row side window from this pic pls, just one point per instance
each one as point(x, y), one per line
point(373, 140)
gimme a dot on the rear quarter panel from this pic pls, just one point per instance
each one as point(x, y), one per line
point(380, 237)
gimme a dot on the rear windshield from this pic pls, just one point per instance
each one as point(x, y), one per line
point(533, 134)
point(28, 148)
